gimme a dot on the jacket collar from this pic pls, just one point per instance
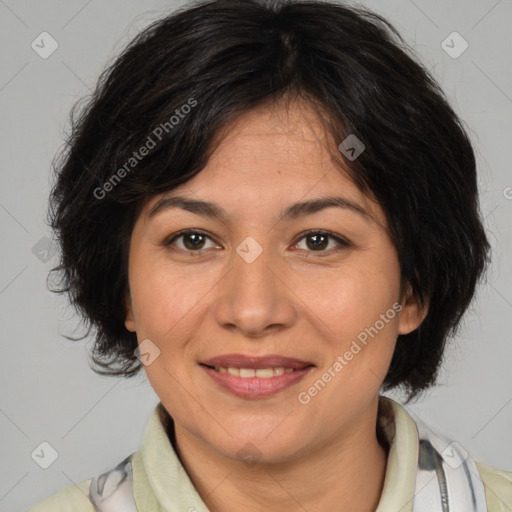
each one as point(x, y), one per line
point(424, 471)
point(161, 481)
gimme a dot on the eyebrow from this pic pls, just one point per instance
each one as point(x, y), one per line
point(291, 212)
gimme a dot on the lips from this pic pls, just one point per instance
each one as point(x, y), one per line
point(256, 362)
point(255, 377)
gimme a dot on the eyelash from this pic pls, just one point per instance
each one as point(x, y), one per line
point(343, 244)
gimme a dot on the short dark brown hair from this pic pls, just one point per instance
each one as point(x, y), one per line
point(221, 58)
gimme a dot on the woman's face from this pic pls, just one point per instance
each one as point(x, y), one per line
point(250, 282)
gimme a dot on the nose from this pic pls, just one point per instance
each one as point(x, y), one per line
point(255, 298)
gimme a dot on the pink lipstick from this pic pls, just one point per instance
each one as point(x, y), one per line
point(255, 377)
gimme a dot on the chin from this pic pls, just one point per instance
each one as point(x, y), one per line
point(262, 449)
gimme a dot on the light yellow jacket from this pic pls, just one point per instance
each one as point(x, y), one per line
point(161, 484)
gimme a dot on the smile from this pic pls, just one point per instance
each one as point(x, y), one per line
point(249, 373)
point(255, 376)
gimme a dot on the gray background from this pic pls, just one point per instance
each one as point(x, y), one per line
point(49, 393)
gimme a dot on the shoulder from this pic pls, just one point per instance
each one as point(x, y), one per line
point(498, 488)
point(73, 498)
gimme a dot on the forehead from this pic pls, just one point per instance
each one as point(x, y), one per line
point(277, 154)
point(291, 132)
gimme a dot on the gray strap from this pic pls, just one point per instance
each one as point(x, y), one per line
point(447, 478)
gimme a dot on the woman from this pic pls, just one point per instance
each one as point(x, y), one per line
point(272, 209)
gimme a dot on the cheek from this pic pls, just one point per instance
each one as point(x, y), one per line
point(162, 295)
point(352, 298)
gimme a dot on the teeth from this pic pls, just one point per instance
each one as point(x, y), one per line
point(262, 373)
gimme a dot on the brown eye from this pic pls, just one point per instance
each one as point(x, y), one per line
point(318, 241)
point(192, 240)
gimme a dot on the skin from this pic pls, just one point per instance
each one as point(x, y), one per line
point(294, 300)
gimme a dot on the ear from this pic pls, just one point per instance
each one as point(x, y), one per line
point(129, 321)
point(412, 314)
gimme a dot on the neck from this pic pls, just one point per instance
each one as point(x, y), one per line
point(344, 473)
